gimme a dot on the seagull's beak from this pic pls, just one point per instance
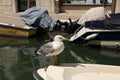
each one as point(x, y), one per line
point(66, 39)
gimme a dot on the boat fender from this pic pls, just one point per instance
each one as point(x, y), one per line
point(92, 36)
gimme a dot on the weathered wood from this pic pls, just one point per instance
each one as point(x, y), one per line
point(113, 6)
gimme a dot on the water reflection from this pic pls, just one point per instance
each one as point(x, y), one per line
point(8, 58)
point(17, 59)
point(76, 53)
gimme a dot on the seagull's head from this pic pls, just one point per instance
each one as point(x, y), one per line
point(60, 38)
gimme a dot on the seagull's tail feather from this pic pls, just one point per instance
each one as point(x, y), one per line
point(38, 53)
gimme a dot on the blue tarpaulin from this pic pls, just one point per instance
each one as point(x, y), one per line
point(111, 23)
point(39, 17)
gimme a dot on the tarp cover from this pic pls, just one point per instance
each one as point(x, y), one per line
point(39, 17)
point(111, 23)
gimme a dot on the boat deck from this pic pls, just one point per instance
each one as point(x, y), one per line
point(11, 20)
point(14, 26)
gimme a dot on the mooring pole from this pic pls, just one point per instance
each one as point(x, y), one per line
point(104, 3)
point(113, 6)
point(28, 3)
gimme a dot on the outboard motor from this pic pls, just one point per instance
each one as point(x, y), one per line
point(71, 27)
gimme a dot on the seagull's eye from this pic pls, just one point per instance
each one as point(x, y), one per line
point(60, 38)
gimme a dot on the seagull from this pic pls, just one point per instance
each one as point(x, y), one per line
point(52, 48)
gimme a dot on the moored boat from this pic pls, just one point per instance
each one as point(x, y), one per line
point(16, 31)
point(77, 71)
point(101, 32)
point(14, 26)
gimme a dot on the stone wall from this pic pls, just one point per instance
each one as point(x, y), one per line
point(53, 6)
point(117, 8)
point(80, 8)
point(6, 6)
point(47, 4)
point(10, 6)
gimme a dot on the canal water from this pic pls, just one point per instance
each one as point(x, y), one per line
point(18, 59)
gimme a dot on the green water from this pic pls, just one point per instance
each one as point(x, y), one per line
point(17, 59)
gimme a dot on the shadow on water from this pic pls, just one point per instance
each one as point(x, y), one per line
point(17, 59)
point(80, 54)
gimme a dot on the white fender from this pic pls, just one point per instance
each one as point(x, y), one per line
point(92, 36)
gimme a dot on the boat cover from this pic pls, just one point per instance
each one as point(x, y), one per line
point(111, 23)
point(39, 17)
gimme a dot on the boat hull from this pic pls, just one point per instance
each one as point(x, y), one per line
point(14, 26)
point(103, 37)
point(77, 71)
point(18, 32)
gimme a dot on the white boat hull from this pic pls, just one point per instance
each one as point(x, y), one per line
point(79, 72)
point(100, 37)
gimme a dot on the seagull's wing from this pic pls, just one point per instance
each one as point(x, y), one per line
point(46, 49)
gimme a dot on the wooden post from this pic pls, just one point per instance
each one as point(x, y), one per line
point(113, 6)
point(94, 1)
point(28, 3)
point(104, 3)
point(57, 6)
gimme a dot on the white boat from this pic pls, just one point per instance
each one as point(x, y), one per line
point(101, 32)
point(77, 71)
